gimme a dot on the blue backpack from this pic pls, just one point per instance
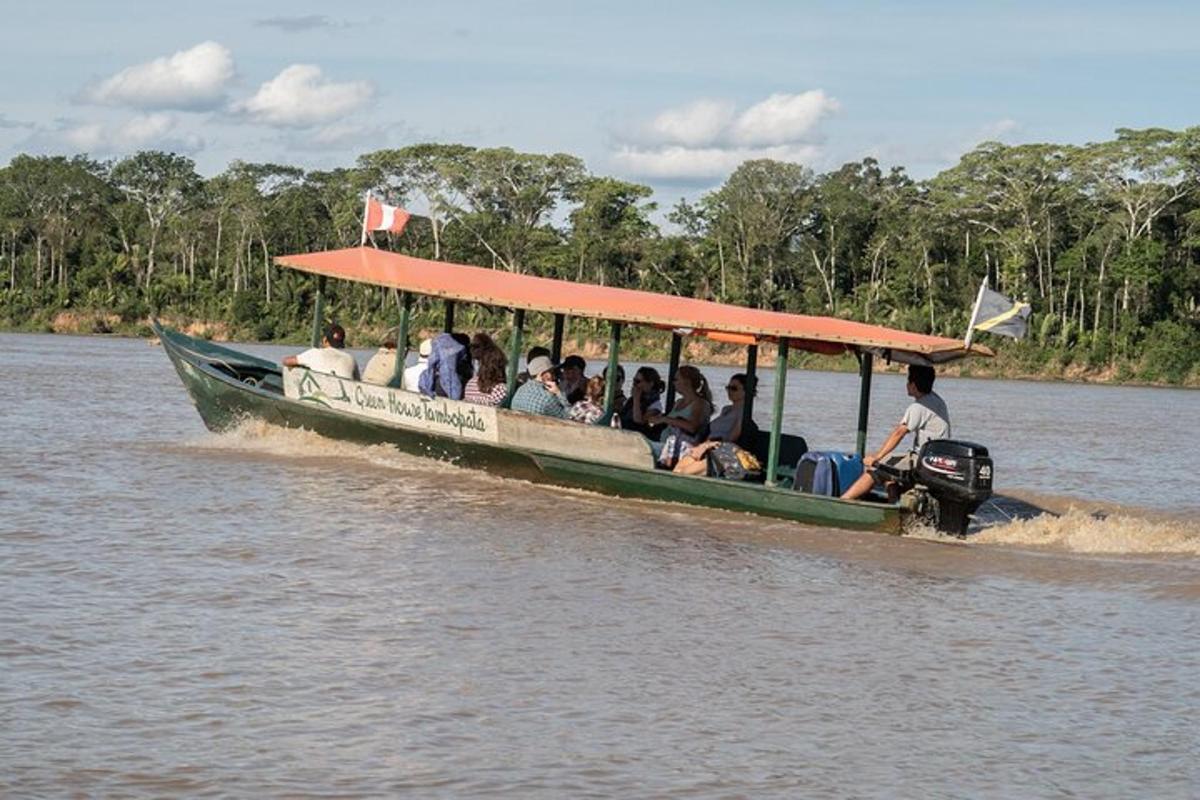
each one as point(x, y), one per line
point(827, 472)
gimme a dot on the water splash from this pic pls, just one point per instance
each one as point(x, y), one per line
point(257, 438)
point(1081, 531)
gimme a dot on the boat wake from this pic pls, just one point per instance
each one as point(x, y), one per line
point(1028, 522)
point(258, 439)
point(1096, 533)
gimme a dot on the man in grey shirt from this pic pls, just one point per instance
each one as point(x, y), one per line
point(926, 418)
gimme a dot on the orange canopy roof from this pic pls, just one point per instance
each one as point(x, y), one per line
point(720, 321)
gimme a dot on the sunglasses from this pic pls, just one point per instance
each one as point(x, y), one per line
point(731, 387)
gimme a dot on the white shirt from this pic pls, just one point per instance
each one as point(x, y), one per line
point(928, 419)
point(413, 374)
point(331, 360)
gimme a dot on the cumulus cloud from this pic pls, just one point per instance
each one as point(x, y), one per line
point(710, 138)
point(297, 24)
point(300, 96)
point(191, 79)
point(701, 163)
point(157, 130)
point(695, 124)
point(783, 118)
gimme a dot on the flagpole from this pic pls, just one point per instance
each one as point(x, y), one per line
point(975, 314)
point(366, 208)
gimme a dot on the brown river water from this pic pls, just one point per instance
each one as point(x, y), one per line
point(266, 613)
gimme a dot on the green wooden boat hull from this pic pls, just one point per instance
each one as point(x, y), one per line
point(223, 401)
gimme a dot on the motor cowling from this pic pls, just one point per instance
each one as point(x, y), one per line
point(958, 477)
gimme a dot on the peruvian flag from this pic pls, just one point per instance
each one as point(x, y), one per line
point(381, 217)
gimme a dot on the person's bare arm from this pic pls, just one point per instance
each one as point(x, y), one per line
point(894, 438)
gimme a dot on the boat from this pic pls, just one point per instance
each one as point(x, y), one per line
point(229, 386)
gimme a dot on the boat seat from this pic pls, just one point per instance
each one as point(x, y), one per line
point(790, 449)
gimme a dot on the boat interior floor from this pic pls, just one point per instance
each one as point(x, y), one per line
point(252, 374)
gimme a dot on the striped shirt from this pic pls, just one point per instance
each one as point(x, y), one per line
point(495, 397)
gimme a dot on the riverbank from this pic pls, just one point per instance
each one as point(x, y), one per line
point(638, 345)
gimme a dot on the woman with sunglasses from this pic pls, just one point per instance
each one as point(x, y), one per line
point(725, 428)
point(645, 400)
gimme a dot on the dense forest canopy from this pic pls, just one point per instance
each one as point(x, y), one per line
point(1101, 239)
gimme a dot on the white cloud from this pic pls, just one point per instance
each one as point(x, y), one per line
point(147, 130)
point(701, 163)
point(190, 79)
point(696, 124)
point(300, 96)
point(783, 118)
point(709, 138)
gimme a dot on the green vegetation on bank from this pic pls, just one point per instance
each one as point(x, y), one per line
point(1101, 239)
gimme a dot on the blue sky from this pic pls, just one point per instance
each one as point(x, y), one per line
point(673, 94)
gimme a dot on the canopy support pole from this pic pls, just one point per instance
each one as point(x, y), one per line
point(556, 343)
point(865, 363)
point(751, 380)
point(610, 385)
point(448, 325)
point(514, 354)
point(672, 368)
point(777, 415)
point(397, 381)
point(318, 312)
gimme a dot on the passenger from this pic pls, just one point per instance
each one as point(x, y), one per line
point(330, 357)
point(534, 352)
point(412, 375)
point(590, 409)
point(489, 385)
point(480, 343)
point(618, 395)
point(687, 422)
point(540, 394)
point(574, 378)
point(727, 428)
point(730, 424)
point(927, 418)
point(645, 397)
point(382, 366)
point(443, 374)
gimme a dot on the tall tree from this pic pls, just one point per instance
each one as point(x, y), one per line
point(760, 210)
point(160, 183)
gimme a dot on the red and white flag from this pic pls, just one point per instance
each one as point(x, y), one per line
point(381, 217)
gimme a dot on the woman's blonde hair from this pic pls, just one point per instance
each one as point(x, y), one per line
point(697, 380)
point(595, 389)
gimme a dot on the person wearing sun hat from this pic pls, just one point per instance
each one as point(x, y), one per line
point(412, 375)
point(541, 394)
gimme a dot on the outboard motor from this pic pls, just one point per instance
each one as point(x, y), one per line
point(957, 476)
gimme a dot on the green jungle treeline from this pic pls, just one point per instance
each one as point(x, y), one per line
point(1101, 239)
